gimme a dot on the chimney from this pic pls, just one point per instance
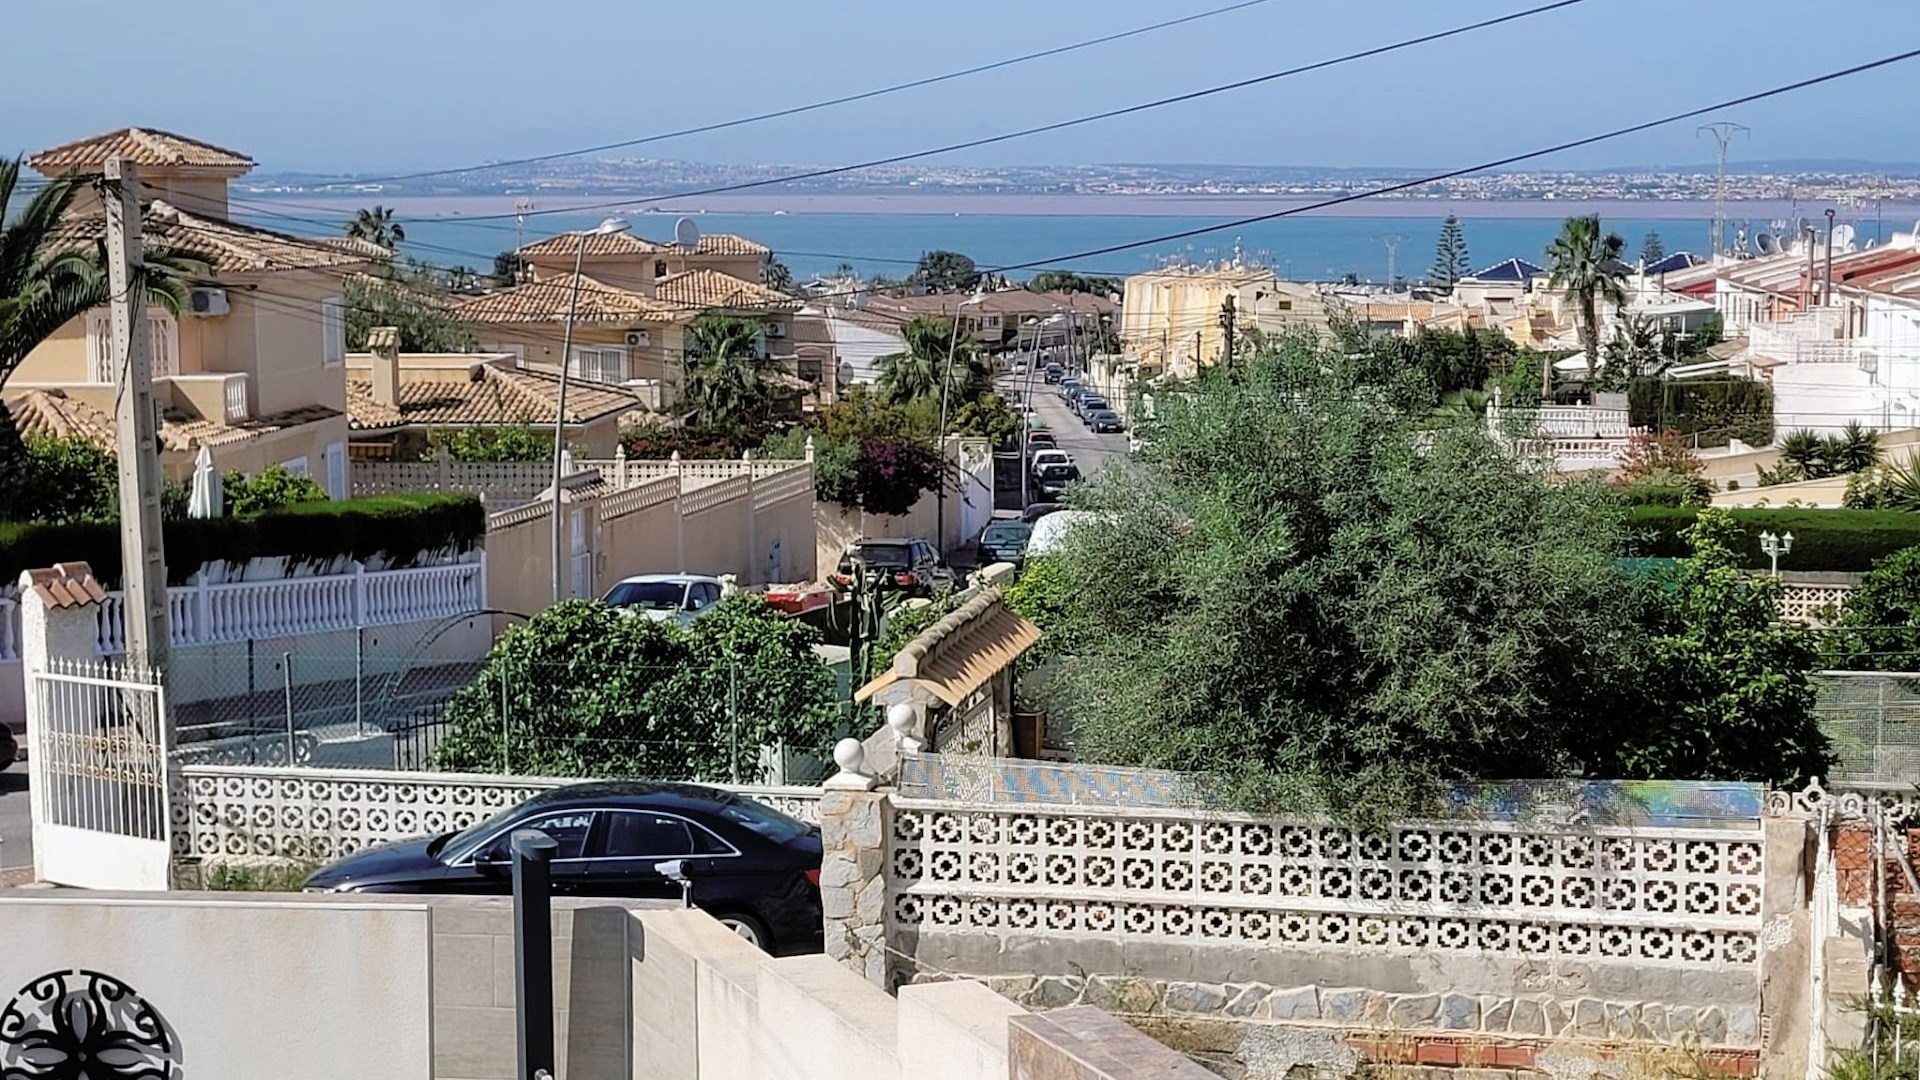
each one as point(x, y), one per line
point(384, 343)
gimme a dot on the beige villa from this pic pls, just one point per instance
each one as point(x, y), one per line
point(636, 297)
point(254, 369)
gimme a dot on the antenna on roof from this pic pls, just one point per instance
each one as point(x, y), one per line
point(686, 234)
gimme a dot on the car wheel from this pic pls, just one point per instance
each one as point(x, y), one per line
point(748, 928)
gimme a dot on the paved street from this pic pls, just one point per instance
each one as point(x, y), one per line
point(16, 823)
point(1091, 452)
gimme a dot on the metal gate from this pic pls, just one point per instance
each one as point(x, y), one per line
point(97, 758)
point(582, 553)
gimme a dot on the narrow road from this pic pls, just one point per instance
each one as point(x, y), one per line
point(1090, 451)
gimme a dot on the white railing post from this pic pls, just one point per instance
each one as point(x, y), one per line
point(679, 514)
point(620, 466)
point(359, 593)
point(202, 629)
point(753, 522)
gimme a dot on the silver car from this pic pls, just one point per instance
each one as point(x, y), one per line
point(660, 597)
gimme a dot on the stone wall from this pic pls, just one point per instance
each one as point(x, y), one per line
point(853, 881)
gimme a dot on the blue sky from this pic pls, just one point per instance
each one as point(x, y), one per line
point(410, 84)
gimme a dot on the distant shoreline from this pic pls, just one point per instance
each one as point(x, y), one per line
point(454, 207)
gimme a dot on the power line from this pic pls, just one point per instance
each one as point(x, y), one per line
point(1060, 125)
point(798, 109)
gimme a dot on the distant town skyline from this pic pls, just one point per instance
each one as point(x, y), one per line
point(383, 87)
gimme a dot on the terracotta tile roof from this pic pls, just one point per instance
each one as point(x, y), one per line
point(568, 244)
point(693, 290)
point(52, 414)
point(229, 247)
point(493, 395)
point(147, 146)
point(67, 584)
point(728, 244)
point(546, 301)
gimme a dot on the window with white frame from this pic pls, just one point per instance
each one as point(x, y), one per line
point(333, 332)
point(599, 364)
point(163, 345)
point(336, 455)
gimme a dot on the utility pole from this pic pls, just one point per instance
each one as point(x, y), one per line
point(1226, 326)
point(142, 552)
point(1826, 290)
point(1722, 132)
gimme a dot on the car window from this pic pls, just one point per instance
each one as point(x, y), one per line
point(705, 594)
point(763, 819)
point(647, 595)
point(638, 834)
point(569, 829)
point(885, 554)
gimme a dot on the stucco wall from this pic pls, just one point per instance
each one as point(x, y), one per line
point(717, 540)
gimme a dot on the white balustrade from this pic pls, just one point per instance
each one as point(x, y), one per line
point(301, 813)
point(235, 393)
point(206, 614)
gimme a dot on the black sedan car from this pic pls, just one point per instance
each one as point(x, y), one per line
point(1053, 480)
point(753, 868)
point(1103, 421)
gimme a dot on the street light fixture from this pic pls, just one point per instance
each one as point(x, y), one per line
point(608, 227)
point(946, 377)
point(1776, 546)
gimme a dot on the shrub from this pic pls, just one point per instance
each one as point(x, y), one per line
point(1716, 410)
point(399, 527)
point(891, 474)
point(269, 489)
point(72, 479)
point(508, 442)
point(1847, 540)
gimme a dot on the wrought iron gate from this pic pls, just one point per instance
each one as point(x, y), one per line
point(97, 746)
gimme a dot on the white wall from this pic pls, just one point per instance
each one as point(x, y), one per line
point(1823, 397)
point(250, 988)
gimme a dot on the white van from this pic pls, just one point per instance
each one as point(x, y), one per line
point(1050, 531)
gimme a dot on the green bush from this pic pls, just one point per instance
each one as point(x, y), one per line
point(1846, 540)
point(269, 489)
point(1714, 409)
point(400, 527)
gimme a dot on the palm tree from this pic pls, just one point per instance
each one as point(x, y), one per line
point(728, 374)
point(1586, 266)
point(914, 374)
point(44, 284)
point(375, 225)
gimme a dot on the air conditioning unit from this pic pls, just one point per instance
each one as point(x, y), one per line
point(639, 339)
point(207, 301)
point(776, 330)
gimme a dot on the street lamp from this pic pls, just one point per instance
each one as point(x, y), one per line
point(1776, 546)
point(608, 227)
point(946, 376)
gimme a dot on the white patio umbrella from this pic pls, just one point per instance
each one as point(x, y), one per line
point(205, 499)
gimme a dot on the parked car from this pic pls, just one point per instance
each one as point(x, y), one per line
point(660, 597)
point(1035, 511)
point(1053, 480)
point(1068, 386)
point(912, 565)
point(751, 867)
point(1004, 541)
point(1050, 457)
point(9, 747)
point(1054, 373)
point(1041, 440)
point(1105, 420)
point(1089, 405)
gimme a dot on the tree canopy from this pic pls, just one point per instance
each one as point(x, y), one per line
point(1450, 260)
point(375, 225)
point(1311, 586)
point(945, 272)
point(1585, 264)
point(590, 692)
point(730, 378)
point(1067, 281)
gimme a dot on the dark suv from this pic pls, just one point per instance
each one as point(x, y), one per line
point(912, 565)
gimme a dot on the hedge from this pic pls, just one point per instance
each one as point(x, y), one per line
point(400, 527)
point(1844, 540)
point(1715, 409)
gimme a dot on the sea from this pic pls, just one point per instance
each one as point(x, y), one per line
point(885, 235)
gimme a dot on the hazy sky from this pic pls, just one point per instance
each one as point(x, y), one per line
point(408, 84)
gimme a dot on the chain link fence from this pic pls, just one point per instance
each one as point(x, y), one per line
point(724, 723)
point(1872, 719)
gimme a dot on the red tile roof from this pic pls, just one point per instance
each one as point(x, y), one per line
point(147, 146)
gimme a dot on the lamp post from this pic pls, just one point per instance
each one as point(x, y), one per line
point(1776, 546)
point(945, 373)
point(605, 228)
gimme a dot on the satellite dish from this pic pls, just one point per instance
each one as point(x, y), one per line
point(1766, 243)
point(1843, 237)
point(686, 234)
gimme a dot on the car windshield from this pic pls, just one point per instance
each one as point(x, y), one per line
point(648, 595)
point(1094, 404)
point(456, 842)
point(1058, 472)
point(762, 819)
point(1008, 533)
point(883, 554)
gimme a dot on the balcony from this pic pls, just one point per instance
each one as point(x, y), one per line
point(217, 396)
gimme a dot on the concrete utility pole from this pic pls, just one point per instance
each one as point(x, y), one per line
point(1826, 289)
point(1722, 132)
point(1226, 326)
point(1393, 255)
point(142, 548)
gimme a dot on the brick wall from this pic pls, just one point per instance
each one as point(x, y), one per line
point(1905, 915)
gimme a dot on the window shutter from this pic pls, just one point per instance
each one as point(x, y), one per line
point(333, 332)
